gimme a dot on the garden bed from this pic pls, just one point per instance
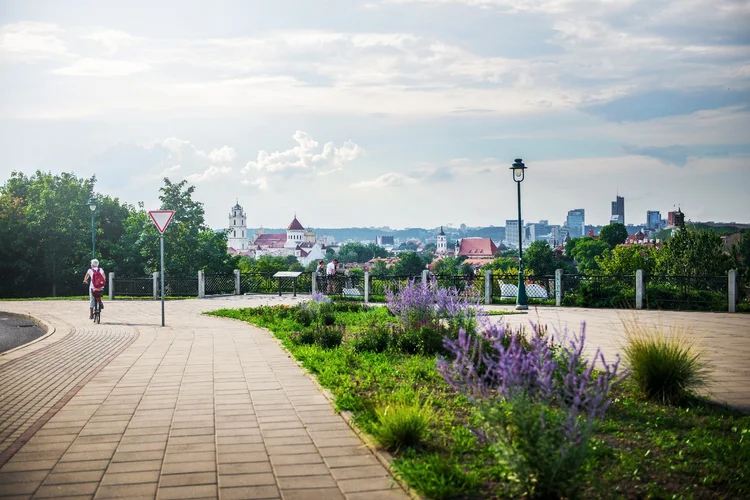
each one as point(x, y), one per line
point(641, 449)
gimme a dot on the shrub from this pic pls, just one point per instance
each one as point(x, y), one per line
point(330, 337)
point(666, 366)
point(424, 340)
point(538, 402)
point(435, 476)
point(401, 425)
point(327, 319)
point(303, 337)
point(304, 317)
point(375, 339)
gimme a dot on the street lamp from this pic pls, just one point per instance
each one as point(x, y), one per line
point(92, 206)
point(518, 173)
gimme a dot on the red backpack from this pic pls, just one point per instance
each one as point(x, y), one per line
point(98, 279)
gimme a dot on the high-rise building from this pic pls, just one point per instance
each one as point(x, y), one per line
point(676, 218)
point(536, 230)
point(653, 220)
point(618, 211)
point(576, 222)
point(511, 233)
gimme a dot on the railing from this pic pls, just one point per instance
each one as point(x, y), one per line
point(467, 285)
point(379, 284)
point(705, 293)
point(743, 293)
point(258, 283)
point(176, 286)
point(219, 284)
point(351, 286)
point(582, 290)
point(134, 287)
point(538, 288)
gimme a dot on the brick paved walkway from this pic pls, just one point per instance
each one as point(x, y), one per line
point(202, 408)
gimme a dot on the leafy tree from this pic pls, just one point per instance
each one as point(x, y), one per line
point(380, 268)
point(614, 234)
point(585, 252)
point(427, 258)
point(690, 252)
point(467, 270)
point(501, 264)
point(626, 260)
point(741, 254)
point(330, 253)
point(510, 253)
point(430, 247)
point(539, 258)
point(445, 266)
point(409, 264)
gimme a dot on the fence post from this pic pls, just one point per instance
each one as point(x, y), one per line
point(488, 287)
point(314, 288)
point(201, 284)
point(558, 287)
point(367, 287)
point(733, 291)
point(155, 284)
point(425, 275)
point(639, 289)
point(236, 281)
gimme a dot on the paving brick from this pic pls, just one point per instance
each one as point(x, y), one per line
point(145, 465)
point(193, 491)
point(249, 493)
point(134, 477)
point(306, 482)
point(226, 481)
point(367, 484)
point(375, 470)
point(127, 491)
point(186, 467)
point(244, 468)
point(73, 477)
point(313, 494)
point(20, 488)
point(66, 490)
point(232, 458)
point(36, 476)
point(304, 458)
point(169, 480)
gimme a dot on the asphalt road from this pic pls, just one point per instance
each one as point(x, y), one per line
point(16, 331)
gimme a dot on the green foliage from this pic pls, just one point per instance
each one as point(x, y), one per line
point(330, 336)
point(539, 259)
point(502, 264)
point(422, 340)
point(666, 366)
point(741, 254)
point(401, 425)
point(447, 266)
point(380, 268)
point(627, 260)
point(614, 234)
point(529, 437)
point(357, 252)
point(585, 251)
point(376, 338)
point(409, 264)
point(690, 252)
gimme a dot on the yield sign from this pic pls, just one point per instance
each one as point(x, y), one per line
point(161, 218)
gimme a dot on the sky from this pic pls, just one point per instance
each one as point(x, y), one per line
point(400, 113)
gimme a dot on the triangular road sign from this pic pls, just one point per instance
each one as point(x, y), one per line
point(161, 218)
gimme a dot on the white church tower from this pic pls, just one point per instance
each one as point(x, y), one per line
point(237, 237)
point(442, 243)
point(295, 234)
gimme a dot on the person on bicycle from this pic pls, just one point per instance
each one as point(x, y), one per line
point(98, 282)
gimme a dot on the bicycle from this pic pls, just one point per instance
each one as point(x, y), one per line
point(97, 305)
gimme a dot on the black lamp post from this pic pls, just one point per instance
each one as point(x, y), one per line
point(92, 206)
point(518, 173)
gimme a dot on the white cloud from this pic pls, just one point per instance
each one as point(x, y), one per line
point(112, 39)
point(211, 172)
point(224, 154)
point(29, 41)
point(102, 68)
point(305, 157)
point(260, 183)
point(391, 179)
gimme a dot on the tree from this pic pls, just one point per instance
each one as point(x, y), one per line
point(539, 258)
point(586, 251)
point(741, 254)
point(614, 234)
point(445, 266)
point(691, 252)
point(503, 264)
point(409, 264)
point(380, 268)
point(626, 260)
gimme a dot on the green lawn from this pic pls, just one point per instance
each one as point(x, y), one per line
point(642, 449)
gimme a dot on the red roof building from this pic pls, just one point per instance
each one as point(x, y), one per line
point(477, 247)
point(295, 225)
point(270, 240)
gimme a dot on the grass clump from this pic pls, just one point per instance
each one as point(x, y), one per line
point(401, 425)
point(667, 366)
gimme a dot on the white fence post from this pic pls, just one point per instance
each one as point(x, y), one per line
point(155, 285)
point(111, 286)
point(732, 291)
point(558, 287)
point(236, 281)
point(425, 276)
point(314, 288)
point(367, 287)
point(488, 287)
point(639, 289)
point(201, 284)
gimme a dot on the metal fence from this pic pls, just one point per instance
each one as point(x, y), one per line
point(134, 287)
point(177, 286)
point(743, 293)
point(707, 293)
point(379, 285)
point(584, 290)
point(538, 288)
point(219, 284)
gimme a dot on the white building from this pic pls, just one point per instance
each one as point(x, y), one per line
point(237, 239)
point(296, 241)
point(442, 243)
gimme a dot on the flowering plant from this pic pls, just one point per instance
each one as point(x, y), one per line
point(538, 401)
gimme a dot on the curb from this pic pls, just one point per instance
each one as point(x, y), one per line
point(44, 325)
point(385, 458)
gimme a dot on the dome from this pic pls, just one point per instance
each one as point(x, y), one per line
point(295, 225)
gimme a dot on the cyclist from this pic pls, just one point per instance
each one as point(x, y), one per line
point(98, 282)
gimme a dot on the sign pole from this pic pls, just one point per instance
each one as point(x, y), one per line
point(162, 278)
